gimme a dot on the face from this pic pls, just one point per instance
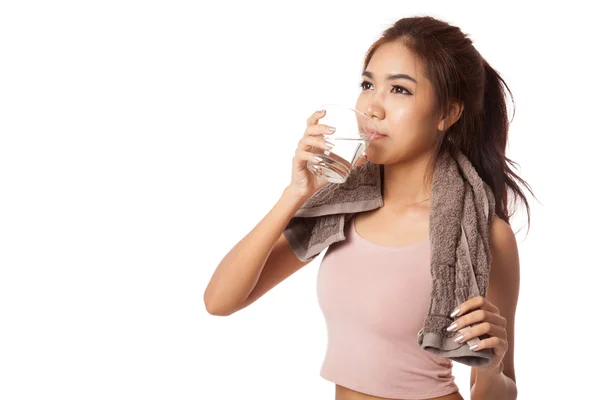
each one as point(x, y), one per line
point(400, 100)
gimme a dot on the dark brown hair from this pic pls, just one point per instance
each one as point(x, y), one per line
point(457, 71)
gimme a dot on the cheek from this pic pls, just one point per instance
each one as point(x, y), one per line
point(411, 117)
point(411, 132)
point(406, 125)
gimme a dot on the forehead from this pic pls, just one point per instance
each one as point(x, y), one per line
point(394, 57)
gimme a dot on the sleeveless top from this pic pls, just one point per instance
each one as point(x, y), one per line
point(374, 299)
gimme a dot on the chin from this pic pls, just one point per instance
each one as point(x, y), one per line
point(375, 156)
point(382, 157)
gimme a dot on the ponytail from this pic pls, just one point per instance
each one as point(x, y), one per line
point(493, 165)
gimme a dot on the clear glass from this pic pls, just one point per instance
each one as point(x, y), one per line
point(350, 141)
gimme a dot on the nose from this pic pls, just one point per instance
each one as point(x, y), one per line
point(374, 110)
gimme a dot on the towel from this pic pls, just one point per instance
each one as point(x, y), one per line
point(459, 235)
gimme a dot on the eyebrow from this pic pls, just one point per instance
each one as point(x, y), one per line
point(392, 77)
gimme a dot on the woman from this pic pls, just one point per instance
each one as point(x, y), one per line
point(428, 89)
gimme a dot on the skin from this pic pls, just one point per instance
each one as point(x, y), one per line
point(411, 123)
point(405, 111)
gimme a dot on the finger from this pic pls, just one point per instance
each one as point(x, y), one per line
point(315, 117)
point(475, 317)
point(319, 130)
point(315, 141)
point(302, 157)
point(499, 345)
point(472, 304)
point(480, 329)
point(361, 160)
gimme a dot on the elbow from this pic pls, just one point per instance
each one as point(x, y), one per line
point(215, 309)
point(515, 392)
point(212, 310)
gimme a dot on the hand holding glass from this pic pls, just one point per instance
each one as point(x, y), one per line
point(350, 141)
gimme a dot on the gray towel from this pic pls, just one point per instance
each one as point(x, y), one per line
point(459, 234)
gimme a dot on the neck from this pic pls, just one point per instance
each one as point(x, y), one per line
point(404, 184)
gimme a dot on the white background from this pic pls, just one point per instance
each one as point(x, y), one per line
point(141, 140)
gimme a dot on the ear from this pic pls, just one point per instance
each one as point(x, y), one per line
point(454, 112)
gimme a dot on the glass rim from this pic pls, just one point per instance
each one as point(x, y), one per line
point(344, 106)
point(325, 105)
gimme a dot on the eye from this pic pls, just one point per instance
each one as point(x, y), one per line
point(395, 89)
point(401, 88)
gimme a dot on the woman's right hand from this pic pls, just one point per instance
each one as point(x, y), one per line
point(304, 183)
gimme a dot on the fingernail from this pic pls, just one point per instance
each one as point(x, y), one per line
point(317, 159)
point(473, 347)
point(452, 327)
point(331, 129)
point(455, 312)
point(329, 142)
point(458, 339)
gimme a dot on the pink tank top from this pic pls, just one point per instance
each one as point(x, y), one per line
point(374, 299)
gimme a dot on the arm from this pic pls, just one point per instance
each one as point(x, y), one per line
point(257, 263)
point(503, 291)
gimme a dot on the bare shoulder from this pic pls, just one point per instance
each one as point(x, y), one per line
point(501, 235)
point(505, 256)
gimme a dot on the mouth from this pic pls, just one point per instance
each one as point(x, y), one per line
point(373, 134)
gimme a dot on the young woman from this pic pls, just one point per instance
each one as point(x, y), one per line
point(428, 89)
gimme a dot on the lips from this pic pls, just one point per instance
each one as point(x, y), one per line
point(372, 134)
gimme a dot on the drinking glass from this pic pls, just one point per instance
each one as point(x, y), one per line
point(350, 140)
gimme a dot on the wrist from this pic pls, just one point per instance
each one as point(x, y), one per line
point(485, 371)
point(295, 195)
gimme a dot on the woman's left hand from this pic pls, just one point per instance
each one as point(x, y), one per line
point(488, 320)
